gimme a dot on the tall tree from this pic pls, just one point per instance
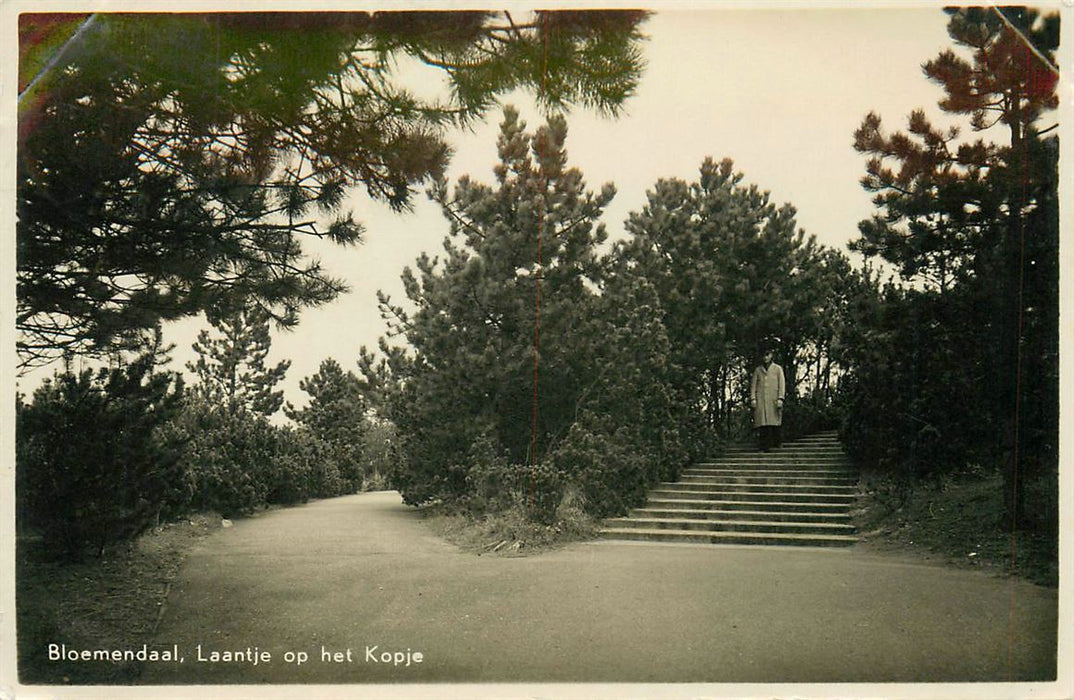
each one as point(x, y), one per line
point(169, 162)
point(980, 218)
point(493, 332)
point(231, 367)
point(730, 268)
point(534, 362)
point(335, 415)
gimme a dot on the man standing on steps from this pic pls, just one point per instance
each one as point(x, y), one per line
point(766, 397)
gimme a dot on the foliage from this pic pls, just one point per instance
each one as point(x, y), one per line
point(973, 227)
point(535, 490)
point(336, 415)
point(917, 395)
point(610, 474)
point(381, 453)
point(238, 462)
point(519, 333)
point(94, 463)
point(473, 333)
point(229, 456)
point(730, 270)
point(170, 162)
point(513, 531)
point(629, 428)
point(231, 367)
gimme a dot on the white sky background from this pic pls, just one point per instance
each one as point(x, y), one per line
point(778, 91)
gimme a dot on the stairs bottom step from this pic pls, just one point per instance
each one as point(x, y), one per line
point(661, 535)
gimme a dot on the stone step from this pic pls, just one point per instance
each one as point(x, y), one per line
point(779, 457)
point(774, 478)
point(755, 495)
point(788, 445)
point(716, 504)
point(709, 525)
point(775, 459)
point(844, 467)
point(803, 516)
point(768, 538)
point(798, 494)
point(711, 486)
point(770, 472)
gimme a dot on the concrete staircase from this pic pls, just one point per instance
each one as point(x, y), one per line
point(797, 494)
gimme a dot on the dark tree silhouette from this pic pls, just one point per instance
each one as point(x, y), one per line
point(977, 223)
point(170, 163)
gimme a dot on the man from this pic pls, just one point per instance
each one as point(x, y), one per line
point(766, 397)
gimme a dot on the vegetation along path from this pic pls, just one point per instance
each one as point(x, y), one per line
point(363, 573)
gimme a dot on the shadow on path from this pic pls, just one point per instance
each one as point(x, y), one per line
point(364, 572)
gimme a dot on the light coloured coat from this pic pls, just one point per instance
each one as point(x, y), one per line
point(766, 389)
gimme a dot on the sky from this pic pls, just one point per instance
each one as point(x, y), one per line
point(780, 92)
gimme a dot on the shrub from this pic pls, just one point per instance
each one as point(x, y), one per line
point(93, 463)
point(314, 458)
point(230, 455)
point(289, 477)
point(609, 470)
point(917, 395)
point(240, 462)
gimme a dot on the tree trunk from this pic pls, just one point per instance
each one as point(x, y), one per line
point(1010, 327)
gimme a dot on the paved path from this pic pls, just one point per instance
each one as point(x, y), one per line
point(364, 571)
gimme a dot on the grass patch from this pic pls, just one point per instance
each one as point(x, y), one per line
point(114, 602)
point(956, 519)
point(511, 532)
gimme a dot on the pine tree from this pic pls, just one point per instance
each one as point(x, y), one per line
point(336, 415)
point(169, 162)
point(731, 269)
point(977, 222)
point(231, 366)
point(494, 354)
point(95, 463)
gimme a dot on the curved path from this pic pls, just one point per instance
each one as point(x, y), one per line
point(363, 571)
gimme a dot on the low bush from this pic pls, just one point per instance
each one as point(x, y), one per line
point(93, 464)
point(290, 474)
point(240, 462)
point(230, 455)
point(513, 530)
point(612, 472)
point(312, 457)
point(534, 490)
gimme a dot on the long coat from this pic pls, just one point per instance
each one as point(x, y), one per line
point(766, 387)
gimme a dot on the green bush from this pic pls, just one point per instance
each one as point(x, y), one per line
point(230, 456)
point(239, 462)
point(93, 463)
point(917, 396)
point(290, 474)
point(314, 458)
point(611, 471)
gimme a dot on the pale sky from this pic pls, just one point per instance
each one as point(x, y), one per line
point(778, 91)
